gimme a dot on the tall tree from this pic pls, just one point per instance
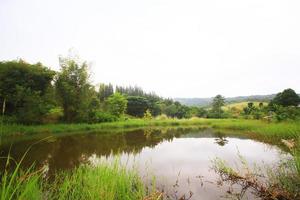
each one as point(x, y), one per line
point(217, 104)
point(74, 89)
point(105, 91)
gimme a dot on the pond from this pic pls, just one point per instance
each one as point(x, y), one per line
point(180, 159)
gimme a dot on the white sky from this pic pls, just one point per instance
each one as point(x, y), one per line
point(187, 48)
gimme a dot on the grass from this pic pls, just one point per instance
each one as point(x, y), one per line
point(241, 105)
point(118, 183)
point(286, 130)
point(107, 181)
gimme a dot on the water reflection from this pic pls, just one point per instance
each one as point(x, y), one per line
point(222, 141)
point(179, 158)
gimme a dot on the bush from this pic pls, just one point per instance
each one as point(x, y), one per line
point(162, 117)
point(8, 119)
point(53, 116)
point(147, 115)
point(285, 113)
point(102, 117)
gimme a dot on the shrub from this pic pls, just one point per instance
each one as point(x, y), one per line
point(148, 115)
point(53, 116)
point(285, 113)
point(162, 117)
point(103, 117)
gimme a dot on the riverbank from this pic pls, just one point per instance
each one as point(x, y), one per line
point(285, 130)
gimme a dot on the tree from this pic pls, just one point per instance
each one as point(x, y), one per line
point(137, 106)
point(74, 90)
point(105, 91)
point(217, 104)
point(117, 104)
point(286, 98)
point(23, 90)
point(201, 112)
point(177, 110)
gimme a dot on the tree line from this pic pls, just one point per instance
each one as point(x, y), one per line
point(35, 94)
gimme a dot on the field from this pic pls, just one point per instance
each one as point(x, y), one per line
point(239, 106)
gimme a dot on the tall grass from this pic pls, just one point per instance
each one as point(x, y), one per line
point(283, 129)
point(19, 184)
point(107, 181)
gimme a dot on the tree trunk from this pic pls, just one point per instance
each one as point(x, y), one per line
point(3, 107)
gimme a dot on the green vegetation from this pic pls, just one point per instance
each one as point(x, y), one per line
point(286, 98)
point(117, 104)
point(35, 99)
point(25, 91)
point(241, 105)
point(105, 181)
point(76, 95)
point(286, 130)
point(217, 104)
point(33, 94)
point(69, 184)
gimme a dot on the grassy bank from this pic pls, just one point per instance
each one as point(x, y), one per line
point(118, 183)
point(105, 181)
point(285, 130)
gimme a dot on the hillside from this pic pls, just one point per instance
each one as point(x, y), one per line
point(241, 105)
point(203, 102)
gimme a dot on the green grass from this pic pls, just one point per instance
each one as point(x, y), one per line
point(112, 181)
point(285, 130)
point(17, 129)
point(107, 181)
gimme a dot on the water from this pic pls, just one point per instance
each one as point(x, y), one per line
point(180, 159)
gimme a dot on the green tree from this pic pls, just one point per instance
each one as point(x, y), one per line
point(23, 90)
point(217, 104)
point(137, 106)
point(175, 109)
point(74, 90)
point(286, 98)
point(201, 112)
point(249, 109)
point(117, 104)
point(105, 91)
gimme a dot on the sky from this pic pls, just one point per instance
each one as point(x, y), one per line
point(176, 48)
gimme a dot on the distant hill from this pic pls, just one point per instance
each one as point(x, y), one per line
point(207, 101)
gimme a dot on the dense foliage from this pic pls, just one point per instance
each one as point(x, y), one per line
point(286, 98)
point(26, 93)
point(74, 91)
point(32, 93)
point(217, 104)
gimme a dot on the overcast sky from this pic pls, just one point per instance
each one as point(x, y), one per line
point(177, 48)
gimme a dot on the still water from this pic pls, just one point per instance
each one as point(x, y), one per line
point(180, 159)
